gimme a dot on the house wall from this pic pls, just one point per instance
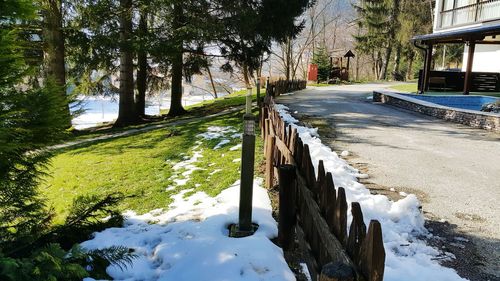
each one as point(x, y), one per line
point(486, 58)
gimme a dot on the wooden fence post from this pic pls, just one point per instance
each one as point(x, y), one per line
point(269, 160)
point(357, 233)
point(337, 272)
point(266, 132)
point(331, 201)
point(372, 255)
point(287, 206)
point(341, 217)
point(299, 150)
point(321, 188)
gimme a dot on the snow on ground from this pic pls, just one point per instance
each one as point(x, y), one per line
point(407, 256)
point(183, 169)
point(190, 241)
point(222, 143)
point(236, 147)
point(215, 132)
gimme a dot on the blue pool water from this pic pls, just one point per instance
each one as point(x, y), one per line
point(464, 102)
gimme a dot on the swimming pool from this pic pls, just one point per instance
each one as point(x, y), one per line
point(458, 109)
point(463, 102)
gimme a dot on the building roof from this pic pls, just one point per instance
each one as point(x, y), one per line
point(477, 34)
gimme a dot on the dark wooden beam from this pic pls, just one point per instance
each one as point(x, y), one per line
point(427, 68)
point(468, 70)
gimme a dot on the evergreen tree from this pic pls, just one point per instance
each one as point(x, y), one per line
point(32, 117)
point(322, 59)
point(54, 45)
point(378, 20)
point(127, 113)
point(414, 19)
point(249, 27)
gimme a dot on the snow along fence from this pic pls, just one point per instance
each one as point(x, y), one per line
point(317, 210)
point(279, 87)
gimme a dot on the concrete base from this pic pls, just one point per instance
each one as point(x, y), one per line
point(236, 232)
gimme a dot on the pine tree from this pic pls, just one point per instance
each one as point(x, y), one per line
point(127, 113)
point(247, 29)
point(322, 59)
point(378, 20)
point(30, 118)
point(414, 19)
point(54, 45)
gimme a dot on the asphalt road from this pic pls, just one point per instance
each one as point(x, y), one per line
point(453, 169)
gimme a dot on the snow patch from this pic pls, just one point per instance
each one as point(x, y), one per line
point(190, 241)
point(236, 147)
point(215, 132)
point(407, 257)
point(221, 143)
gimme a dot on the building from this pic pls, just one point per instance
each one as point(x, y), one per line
point(475, 23)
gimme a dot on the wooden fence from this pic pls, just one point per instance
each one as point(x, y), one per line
point(317, 210)
point(280, 87)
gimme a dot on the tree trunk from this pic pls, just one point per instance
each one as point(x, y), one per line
point(409, 70)
point(176, 108)
point(142, 66)
point(212, 81)
point(375, 65)
point(385, 62)
point(396, 75)
point(288, 55)
point(393, 26)
point(246, 77)
point(54, 53)
point(127, 114)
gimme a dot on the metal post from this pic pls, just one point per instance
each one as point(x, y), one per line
point(257, 84)
point(249, 101)
point(247, 169)
point(427, 68)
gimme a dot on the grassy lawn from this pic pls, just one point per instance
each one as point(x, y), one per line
point(201, 109)
point(141, 166)
point(407, 87)
point(412, 88)
point(320, 85)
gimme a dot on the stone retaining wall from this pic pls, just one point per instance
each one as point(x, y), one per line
point(477, 119)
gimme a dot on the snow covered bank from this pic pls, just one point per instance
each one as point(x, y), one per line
point(190, 241)
point(407, 256)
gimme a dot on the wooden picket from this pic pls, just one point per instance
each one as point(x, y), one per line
point(321, 208)
point(281, 86)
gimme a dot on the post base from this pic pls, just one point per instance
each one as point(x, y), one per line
point(236, 232)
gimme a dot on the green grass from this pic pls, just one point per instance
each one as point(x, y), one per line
point(412, 88)
point(219, 104)
point(407, 87)
point(140, 166)
point(201, 109)
point(320, 85)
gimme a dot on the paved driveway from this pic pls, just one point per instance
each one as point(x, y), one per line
point(453, 169)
